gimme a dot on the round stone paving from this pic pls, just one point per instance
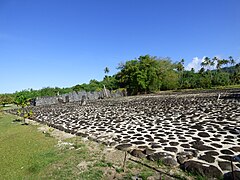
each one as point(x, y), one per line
point(163, 123)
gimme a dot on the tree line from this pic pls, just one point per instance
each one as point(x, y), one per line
point(147, 74)
point(150, 74)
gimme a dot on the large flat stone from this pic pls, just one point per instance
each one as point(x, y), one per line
point(198, 168)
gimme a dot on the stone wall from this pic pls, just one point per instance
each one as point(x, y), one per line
point(79, 96)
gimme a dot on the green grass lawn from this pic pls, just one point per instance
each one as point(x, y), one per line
point(24, 150)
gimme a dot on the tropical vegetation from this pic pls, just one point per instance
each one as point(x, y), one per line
point(147, 74)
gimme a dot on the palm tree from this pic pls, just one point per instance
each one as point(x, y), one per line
point(226, 62)
point(214, 60)
point(219, 64)
point(182, 61)
point(106, 70)
point(206, 62)
point(231, 61)
point(201, 71)
point(180, 68)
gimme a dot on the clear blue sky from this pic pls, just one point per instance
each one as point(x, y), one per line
point(63, 43)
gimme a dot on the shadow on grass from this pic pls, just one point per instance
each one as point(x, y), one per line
point(17, 120)
point(20, 121)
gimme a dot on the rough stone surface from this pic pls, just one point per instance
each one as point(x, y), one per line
point(203, 134)
point(202, 169)
point(123, 146)
point(165, 158)
point(228, 176)
point(184, 156)
point(81, 97)
point(148, 151)
point(137, 153)
point(226, 151)
point(169, 161)
point(225, 165)
point(158, 156)
point(196, 122)
point(208, 158)
point(235, 148)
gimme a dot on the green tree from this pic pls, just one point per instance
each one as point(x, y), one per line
point(219, 64)
point(190, 79)
point(225, 62)
point(106, 70)
point(145, 74)
point(77, 88)
point(221, 79)
point(222, 62)
point(206, 63)
point(180, 69)
point(110, 82)
point(23, 102)
point(203, 81)
point(231, 60)
point(236, 75)
point(209, 64)
point(170, 81)
point(201, 71)
point(6, 99)
point(94, 85)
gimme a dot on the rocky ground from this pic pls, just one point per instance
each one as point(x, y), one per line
point(197, 131)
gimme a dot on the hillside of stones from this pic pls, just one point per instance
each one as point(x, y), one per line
point(197, 131)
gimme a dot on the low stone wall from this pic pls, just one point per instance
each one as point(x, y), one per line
point(79, 96)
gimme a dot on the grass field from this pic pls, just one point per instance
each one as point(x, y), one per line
point(24, 151)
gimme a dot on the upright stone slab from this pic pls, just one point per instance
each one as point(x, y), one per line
point(77, 96)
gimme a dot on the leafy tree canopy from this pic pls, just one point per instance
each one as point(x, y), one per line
point(148, 74)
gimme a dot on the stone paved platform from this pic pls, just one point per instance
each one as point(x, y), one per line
point(171, 128)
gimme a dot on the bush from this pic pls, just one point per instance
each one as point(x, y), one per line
point(204, 82)
point(221, 79)
point(170, 81)
point(6, 99)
